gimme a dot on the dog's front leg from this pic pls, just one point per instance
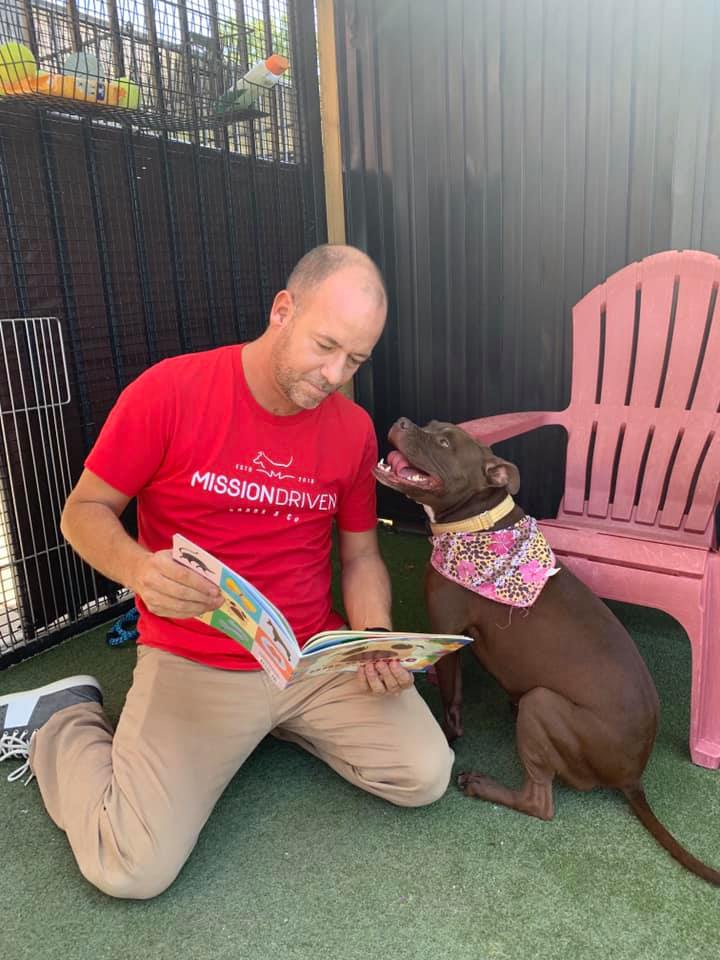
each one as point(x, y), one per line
point(449, 676)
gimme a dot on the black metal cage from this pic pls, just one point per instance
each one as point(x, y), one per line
point(129, 234)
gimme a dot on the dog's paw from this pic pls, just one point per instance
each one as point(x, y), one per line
point(472, 783)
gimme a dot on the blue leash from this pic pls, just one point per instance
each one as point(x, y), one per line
point(124, 632)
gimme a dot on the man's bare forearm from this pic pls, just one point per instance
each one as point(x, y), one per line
point(96, 533)
point(366, 592)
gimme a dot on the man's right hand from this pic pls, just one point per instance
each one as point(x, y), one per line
point(91, 524)
point(168, 589)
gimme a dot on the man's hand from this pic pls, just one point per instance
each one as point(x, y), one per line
point(381, 677)
point(168, 589)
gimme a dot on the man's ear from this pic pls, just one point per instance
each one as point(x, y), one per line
point(500, 473)
point(282, 309)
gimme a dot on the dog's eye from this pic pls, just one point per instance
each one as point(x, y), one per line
point(444, 442)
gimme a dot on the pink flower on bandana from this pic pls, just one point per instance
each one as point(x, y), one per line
point(466, 570)
point(533, 572)
point(487, 590)
point(501, 542)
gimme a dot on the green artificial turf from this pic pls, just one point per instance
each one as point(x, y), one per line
point(295, 863)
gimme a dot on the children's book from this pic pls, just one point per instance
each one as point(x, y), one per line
point(249, 618)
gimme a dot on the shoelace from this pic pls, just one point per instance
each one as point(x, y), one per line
point(14, 745)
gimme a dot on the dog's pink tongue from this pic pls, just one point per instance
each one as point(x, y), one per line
point(401, 466)
point(397, 461)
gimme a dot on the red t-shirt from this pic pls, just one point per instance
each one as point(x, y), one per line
point(257, 490)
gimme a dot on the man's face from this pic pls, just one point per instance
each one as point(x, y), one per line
point(322, 340)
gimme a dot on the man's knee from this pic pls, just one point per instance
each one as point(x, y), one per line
point(137, 880)
point(428, 777)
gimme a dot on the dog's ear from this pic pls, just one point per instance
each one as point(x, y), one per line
point(500, 473)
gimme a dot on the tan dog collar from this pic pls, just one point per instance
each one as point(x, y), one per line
point(483, 521)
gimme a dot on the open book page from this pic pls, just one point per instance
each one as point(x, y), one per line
point(247, 616)
point(344, 650)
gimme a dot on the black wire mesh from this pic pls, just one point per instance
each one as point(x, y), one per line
point(144, 240)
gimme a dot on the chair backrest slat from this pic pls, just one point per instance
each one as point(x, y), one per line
point(607, 438)
point(636, 439)
point(701, 515)
point(664, 441)
point(707, 391)
point(694, 290)
point(586, 347)
point(578, 451)
point(620, 297)
point(656, 301)
point(688, 457)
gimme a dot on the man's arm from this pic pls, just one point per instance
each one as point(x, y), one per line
point(91, 524)
point(367, 599)
point(365, 580)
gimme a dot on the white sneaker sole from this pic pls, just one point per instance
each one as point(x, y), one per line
point(66, 684)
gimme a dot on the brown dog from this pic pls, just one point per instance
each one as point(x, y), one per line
point(587, 706)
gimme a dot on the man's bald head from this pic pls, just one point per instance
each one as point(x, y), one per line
point(324, 325)
point(328, 259)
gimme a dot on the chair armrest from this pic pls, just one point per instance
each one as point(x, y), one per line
point(489, 430)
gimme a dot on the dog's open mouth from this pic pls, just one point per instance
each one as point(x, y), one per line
point(398, 470)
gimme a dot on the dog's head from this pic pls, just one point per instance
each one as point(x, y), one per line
point(443, 468)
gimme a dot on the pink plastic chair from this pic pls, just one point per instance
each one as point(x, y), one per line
point(637, 518)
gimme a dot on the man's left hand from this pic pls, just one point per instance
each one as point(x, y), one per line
point(381, 677)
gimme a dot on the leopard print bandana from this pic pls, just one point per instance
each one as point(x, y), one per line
point(510, 566)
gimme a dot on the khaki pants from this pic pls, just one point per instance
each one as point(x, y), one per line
point(133, 804)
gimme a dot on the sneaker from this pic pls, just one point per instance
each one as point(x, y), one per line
point(21, 714)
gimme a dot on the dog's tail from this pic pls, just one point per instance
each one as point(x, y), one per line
point(641, 809)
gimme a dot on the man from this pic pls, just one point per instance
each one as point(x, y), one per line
point(252, 453)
